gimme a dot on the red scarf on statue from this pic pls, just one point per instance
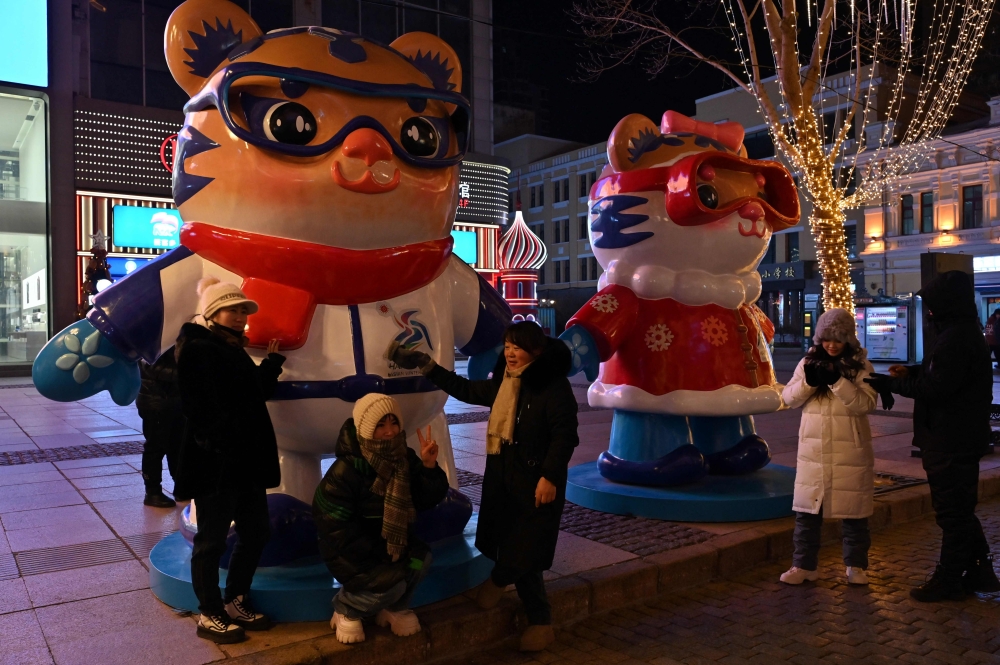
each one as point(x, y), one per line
point(288, 278)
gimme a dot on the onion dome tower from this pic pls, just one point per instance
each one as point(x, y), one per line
point(521, 255)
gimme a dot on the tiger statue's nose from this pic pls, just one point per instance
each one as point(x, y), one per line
point(367, 145)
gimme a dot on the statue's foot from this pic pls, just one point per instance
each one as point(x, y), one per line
point(446, 519)
point(682, 465)
point(747, 456)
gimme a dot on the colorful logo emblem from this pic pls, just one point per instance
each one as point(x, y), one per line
point(413, 332)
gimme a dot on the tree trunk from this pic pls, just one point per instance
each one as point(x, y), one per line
point(831, 249)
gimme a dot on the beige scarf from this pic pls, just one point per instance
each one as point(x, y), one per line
point(503, 415)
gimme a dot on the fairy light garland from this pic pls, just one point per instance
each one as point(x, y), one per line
point(896, 149)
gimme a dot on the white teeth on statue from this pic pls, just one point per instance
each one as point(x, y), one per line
point(383, 171)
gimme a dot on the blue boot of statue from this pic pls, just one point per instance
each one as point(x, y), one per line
point(682, 465)
point(445, 520)
point(747, 456)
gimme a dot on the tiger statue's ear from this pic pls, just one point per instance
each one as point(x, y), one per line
point(199, 36)
point(624, 140)
point(432, 55)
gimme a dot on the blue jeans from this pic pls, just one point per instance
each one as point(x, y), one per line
point(809, 531)
point(365, 603)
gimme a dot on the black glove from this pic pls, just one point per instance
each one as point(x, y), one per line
point(812, 374)
point(882, 384)
point(827, 373)
point(408, 358)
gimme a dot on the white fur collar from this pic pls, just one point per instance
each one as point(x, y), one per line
point(691, 287)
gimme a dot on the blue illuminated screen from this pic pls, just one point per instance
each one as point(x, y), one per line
point(123, 267)
point(466, 247)
point(24, 42)
point(153, 228)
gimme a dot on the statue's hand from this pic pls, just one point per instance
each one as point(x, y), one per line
point(79, 362)
point(584, 350)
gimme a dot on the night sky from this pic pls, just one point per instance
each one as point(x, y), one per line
point(537, 51)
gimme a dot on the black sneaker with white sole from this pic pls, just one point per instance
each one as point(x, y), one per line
point(220, 629)
point(241, 613)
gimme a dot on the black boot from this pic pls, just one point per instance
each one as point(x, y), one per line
point(981, 577)
point(941, 586)
point(158, 499)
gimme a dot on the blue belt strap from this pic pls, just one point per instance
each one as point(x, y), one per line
point(352, 388)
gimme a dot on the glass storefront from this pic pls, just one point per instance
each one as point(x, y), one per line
point(24, 286)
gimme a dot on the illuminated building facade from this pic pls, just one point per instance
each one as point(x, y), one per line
point(522, 253)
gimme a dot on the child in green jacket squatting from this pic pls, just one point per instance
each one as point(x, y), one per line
point(364, 509)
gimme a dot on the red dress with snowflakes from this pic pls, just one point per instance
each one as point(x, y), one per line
point(661, 346)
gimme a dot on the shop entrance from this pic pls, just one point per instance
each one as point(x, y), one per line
point(784, 308)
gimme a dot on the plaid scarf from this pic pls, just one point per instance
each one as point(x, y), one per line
point(388, 458)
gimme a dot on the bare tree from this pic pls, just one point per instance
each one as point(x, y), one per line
point(859, 47)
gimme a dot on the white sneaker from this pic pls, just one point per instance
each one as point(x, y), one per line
point(242, 613)
point(403, 623)
point(856, 575)
point(219, 629)
point(349, 631)
point(795, 575)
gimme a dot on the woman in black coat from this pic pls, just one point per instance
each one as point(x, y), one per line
point(229, 455)
point(525, 485)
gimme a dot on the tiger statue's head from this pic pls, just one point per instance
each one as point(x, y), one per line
point(684, 195)
point(315, 134)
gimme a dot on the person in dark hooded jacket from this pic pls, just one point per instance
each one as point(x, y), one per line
point(364, 512)
point(531, 435)
point(159, 405)
point(952, 391)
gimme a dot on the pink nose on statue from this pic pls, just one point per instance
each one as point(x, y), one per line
point(752, 211)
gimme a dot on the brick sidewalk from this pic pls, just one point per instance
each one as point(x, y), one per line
point(755, 619)
point(75, 537)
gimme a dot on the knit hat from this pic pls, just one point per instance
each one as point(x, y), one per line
point(837, 325)
point(372, 408)
point(214, 294)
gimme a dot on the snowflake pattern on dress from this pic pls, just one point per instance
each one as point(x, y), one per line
point(605, 302)
point(714, 332)
point(659, 337)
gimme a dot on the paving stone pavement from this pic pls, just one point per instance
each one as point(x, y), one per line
point(756, 619)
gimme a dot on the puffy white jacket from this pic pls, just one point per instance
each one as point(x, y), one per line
point(836, 464)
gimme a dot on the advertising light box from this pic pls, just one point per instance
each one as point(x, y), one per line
point(887, 332)
point(151, 228)
point(123, 267)
point(24, 43)
point(466, 247)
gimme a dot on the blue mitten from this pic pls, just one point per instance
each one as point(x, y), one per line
point(584, 350)
point(481, 364)
point(79, 362)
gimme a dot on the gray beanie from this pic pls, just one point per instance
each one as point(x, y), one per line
point(837, 325)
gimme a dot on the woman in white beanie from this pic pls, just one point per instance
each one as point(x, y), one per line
point(834, 476)
point(364, 509)
point(229, 456)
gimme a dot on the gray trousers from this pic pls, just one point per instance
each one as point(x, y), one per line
point(808, 533)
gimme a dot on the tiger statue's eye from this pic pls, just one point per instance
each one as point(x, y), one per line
point(290, 122)
point(709, 196)
point(418, 137)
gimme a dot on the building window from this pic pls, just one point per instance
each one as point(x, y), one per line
point(541, 194)
point(907, 215)
point(759, 144)
point(972, 207)
point(595, 268)
point(583, 269)
point(584, 190)
point(927, 212)
point(565, 188)
point(539, 230)
point(520, 289)
point(583, 227)
point(851, 240)
point(541, 275)
point(770, 256)
point(565, 225)
point(555, 233)
point(557, 272)
point(792, 247)
point(532, 196)
point(556, 190)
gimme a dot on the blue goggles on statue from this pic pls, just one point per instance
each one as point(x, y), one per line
point(288, 127)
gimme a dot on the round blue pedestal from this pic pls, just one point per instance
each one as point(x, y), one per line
point(762, 495)
point(304, 592)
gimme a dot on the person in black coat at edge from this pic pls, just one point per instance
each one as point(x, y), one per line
point(530, 438)
point(229, 455)
point(952, 391)
point(159, 404)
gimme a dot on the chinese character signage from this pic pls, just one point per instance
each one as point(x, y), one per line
point(151, 228)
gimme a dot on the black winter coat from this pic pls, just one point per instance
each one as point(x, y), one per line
point(159, 394)
point(953, 388)
point(349, 517)
point(512, 531)
point(228, 437)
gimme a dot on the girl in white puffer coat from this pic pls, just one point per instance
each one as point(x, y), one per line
point(834, 476)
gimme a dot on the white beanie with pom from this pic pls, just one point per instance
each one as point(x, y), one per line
point(372, 408)
point(214, 295)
